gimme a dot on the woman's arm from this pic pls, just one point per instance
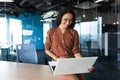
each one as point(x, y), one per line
point(54, 57)
point(77, 55)
point(48, 44)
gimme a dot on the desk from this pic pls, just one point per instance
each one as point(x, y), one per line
point(23, 71)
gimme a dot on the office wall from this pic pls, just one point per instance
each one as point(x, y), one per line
point(31, 24)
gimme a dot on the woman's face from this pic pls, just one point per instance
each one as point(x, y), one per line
point(66, 20)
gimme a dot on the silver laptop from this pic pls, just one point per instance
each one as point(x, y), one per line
point(71, 65)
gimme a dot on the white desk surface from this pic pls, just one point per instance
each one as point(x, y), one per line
point(22, 71)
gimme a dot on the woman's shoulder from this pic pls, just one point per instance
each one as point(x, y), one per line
point(73, 30)
point(51, 30)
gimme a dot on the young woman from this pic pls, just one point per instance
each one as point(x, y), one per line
point(63, 41)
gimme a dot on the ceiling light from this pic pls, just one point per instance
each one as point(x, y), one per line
point(117, 23)
point(96, 18)
point(96, 1)
point(84, 15)
point(103, 24)
point(49, 14)
point(114, 23)
point(6, 0)
point(87, 5)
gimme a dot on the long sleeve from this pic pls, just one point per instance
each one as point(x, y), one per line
point(76, 43)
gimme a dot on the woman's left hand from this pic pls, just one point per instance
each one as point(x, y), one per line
point(90, 69)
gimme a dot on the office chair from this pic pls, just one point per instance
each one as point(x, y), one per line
point(26, 53)
point(93, 48)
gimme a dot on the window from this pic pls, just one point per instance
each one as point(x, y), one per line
point(46, 27)
point(15, 32)
point(3, 33)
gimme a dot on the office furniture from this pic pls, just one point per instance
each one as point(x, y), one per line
point(25, 71)
point(26, 53)
point(5, 53)
point(93, 48)
point(43, 58)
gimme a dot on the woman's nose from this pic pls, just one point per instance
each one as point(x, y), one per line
point(68, 22)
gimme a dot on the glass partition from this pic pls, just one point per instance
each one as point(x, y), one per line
point(90, 31)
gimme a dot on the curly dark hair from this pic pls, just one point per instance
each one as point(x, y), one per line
point(63, 11)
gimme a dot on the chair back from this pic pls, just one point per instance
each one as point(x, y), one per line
point(93, 48)
point(26, 53)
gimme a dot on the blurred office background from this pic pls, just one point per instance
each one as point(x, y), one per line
point(98, 25)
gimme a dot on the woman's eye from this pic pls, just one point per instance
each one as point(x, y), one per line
point(65, 19)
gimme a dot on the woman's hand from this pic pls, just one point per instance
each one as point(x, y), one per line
point(61, 57)
point(90, 69)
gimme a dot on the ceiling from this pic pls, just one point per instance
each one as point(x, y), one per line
point(42, 6)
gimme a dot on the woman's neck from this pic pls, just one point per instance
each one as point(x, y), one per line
point(62, 29)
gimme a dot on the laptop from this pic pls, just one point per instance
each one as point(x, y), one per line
point(71, 65)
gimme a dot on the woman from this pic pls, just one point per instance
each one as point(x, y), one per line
point(63, 41)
